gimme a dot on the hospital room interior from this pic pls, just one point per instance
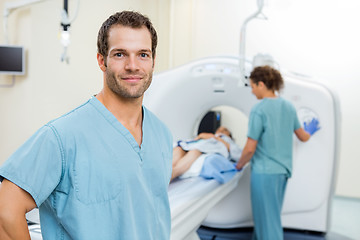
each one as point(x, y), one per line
point(206, 51)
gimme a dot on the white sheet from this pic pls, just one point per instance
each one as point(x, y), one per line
point(195, 169)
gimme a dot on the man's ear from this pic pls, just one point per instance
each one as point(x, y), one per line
point(101, 62)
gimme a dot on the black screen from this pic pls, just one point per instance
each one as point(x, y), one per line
point(11, 59)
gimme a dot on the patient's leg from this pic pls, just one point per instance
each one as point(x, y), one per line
point(178, 153)
point(184, 163)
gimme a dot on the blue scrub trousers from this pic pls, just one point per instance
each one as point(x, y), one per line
point(267, 196)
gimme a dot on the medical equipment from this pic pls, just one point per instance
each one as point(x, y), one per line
point(182, 96)
point(65, 21)
point(12, 60)
point(65, 24)
point(15, 65)
point(243, 76)
point(9, 7)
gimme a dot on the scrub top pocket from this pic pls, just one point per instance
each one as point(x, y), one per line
point(97, 180)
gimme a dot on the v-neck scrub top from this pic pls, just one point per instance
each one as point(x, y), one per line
point(91, 180)
point(272, 123)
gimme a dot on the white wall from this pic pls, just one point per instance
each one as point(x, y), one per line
point(316, 38)
point(51, 88)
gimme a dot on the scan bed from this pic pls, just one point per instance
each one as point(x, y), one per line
point(191, 199)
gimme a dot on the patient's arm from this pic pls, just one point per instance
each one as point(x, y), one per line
point(14, 204)
point(178, 153)
point(227, 145)
point(184, 163)
point(205, 135)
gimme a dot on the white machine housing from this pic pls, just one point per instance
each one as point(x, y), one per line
point(182, 96)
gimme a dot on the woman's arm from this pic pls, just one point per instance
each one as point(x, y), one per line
point(247, 153)
point(302, 135)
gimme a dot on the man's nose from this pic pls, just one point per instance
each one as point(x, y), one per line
point(132, 63)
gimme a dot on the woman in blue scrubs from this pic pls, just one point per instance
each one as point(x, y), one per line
point(272, 123)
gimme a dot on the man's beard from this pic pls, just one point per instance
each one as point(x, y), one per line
point(126, 91)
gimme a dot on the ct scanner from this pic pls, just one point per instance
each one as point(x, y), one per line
point(182, 96)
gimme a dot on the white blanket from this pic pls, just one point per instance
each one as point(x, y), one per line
point(195, 168)
point(212, 145)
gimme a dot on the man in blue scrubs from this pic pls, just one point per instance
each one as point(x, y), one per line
point(102, 170)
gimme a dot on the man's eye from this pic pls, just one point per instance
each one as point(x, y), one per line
point(119, 54)
point(144, 55)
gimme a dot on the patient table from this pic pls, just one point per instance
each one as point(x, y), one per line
point(191, 199)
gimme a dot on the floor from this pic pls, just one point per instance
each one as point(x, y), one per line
point(346, 217)
point(345, 225)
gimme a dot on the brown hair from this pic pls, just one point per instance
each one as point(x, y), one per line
point(269, 76)
point(127, 19)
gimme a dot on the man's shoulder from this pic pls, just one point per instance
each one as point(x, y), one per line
point(73, 116)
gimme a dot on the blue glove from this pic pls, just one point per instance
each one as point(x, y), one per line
point(312, 126)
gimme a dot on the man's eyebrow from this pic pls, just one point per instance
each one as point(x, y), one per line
point(145, 50)
point(117, 50)
point(124, 50)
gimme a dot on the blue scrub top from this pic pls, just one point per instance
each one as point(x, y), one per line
point(91, 180)
point(272, 123)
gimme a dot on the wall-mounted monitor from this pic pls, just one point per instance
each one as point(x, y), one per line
point(12, 60)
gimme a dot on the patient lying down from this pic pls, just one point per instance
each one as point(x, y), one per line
point(187, 152)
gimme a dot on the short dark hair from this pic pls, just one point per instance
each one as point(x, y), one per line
point(128, 19)
point(269, 76)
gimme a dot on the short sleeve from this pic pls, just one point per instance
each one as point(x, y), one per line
point(256, 126)
point(36, 166)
